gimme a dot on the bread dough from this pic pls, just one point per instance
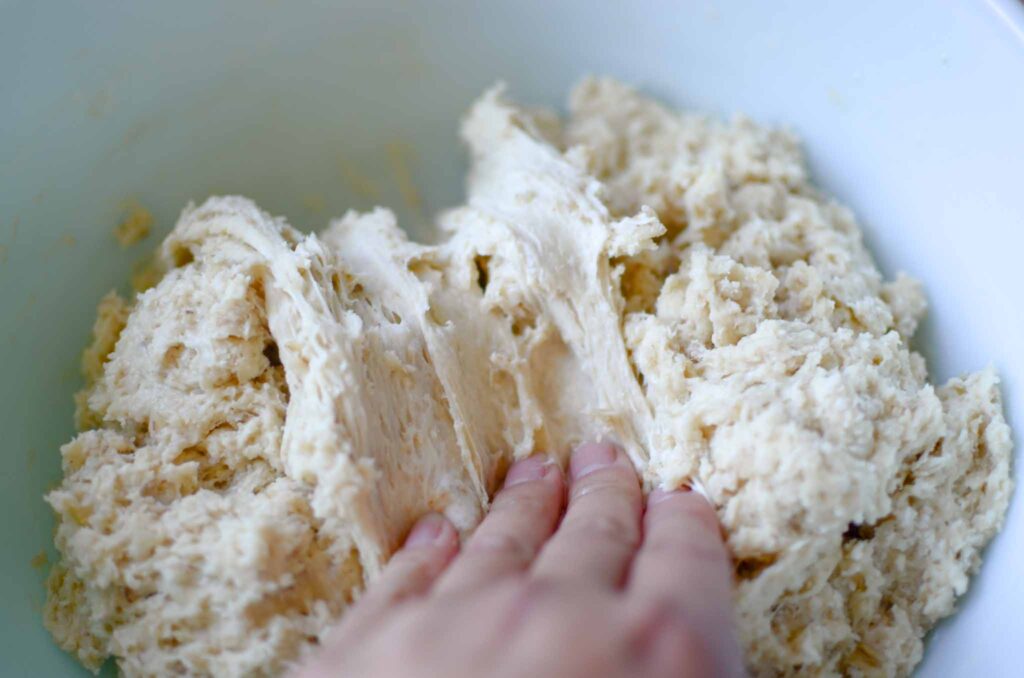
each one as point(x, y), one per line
point(264, 425)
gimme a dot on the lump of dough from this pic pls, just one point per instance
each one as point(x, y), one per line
point(262, 427)
point(775, 359)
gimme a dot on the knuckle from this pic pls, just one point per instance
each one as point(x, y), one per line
point(695, 510)
point(501, 544)
point(528, 497)
point(614, 479)
point(654, 612)
point(534, 590)
point(679, 548)
point(605, 528)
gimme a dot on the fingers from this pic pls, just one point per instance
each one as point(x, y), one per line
point(666, 641)
point(428, 549)
point(683, 560)
point(521, 519)
point(683, 567)
point(601, 529)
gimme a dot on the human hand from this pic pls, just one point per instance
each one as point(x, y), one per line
point(614, 591)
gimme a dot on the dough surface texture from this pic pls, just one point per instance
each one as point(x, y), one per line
point(261, 428)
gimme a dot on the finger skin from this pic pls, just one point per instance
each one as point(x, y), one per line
point(522, 517)
point(601, 529)
point(683, 562)
point(683, 557)
point(430, 546)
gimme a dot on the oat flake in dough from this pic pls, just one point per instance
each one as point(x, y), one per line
point(262, 427)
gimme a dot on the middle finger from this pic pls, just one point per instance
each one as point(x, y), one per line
point(601, 529)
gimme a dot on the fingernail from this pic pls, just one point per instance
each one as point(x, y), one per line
point(525, 470)
point(660, 495)
point(590, 457)
point(427, 530)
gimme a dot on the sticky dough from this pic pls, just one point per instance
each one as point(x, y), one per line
point(262, 427)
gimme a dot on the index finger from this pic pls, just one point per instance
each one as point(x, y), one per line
point(683, 560)
point(429, 547)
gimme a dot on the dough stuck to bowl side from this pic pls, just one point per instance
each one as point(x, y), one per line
point(261, 427)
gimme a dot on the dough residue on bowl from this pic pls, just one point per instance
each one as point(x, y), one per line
point(135, 227)
point(261, 427)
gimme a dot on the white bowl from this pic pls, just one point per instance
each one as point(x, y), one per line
point(912, 113)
